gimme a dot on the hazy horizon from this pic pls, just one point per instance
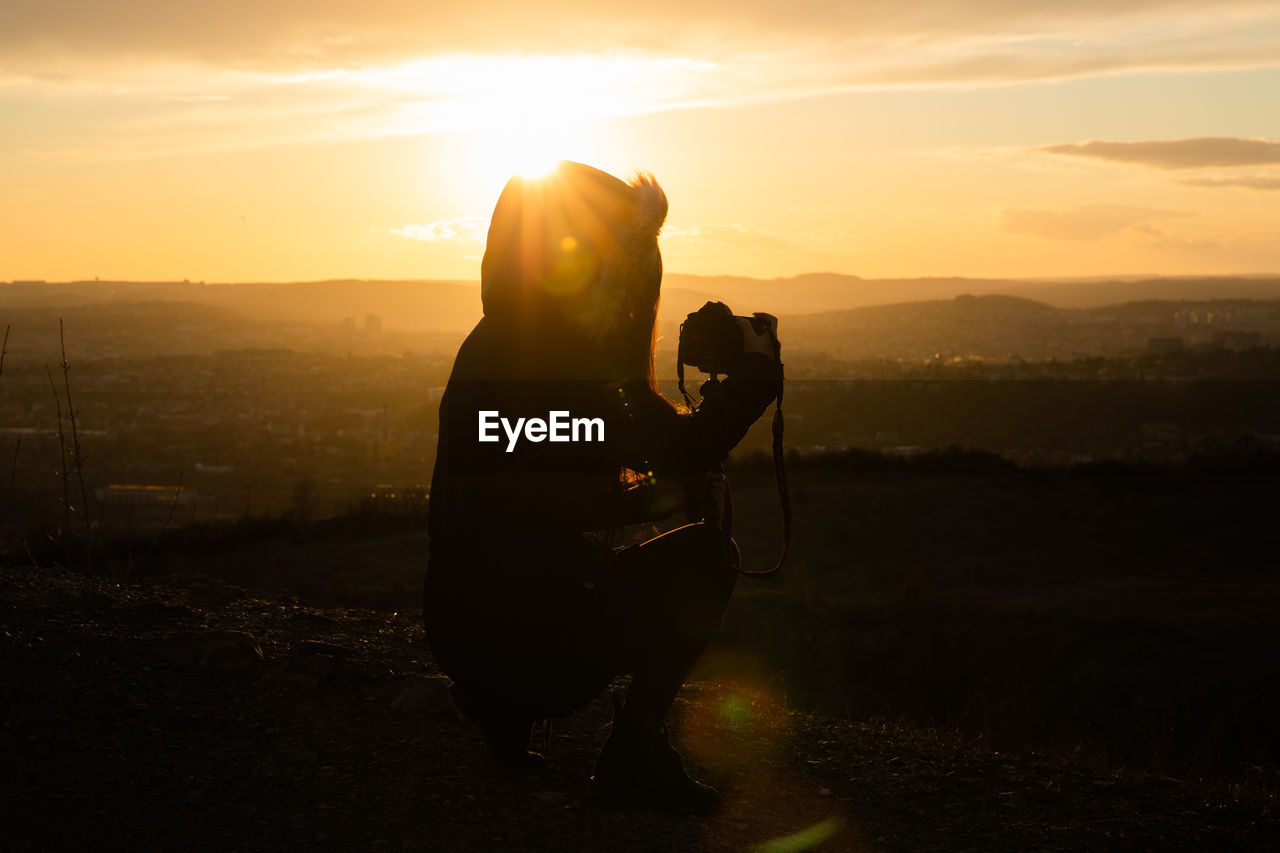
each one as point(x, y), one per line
point(667, 274)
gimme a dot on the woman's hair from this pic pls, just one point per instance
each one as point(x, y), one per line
point(576, 253)
point(641, 347)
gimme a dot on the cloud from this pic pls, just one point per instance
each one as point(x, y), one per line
point(1239, 249)
point(113, 79)
point(1092, 222)
point(888, 39)
point(731, 235)
point(464, 229)
point(1202, 153)
point(146, 111)
point(1248, 182)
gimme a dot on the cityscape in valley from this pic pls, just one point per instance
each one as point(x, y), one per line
point(325, 394)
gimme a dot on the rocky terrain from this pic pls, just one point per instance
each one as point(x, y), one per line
point(182, 713)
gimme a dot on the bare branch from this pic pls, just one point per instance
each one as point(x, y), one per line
point(4, 348)
point(77, 459)
point(13, 472)
point(62, 471)
point(173, 505)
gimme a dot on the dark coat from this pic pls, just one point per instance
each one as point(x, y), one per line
point(516, 593)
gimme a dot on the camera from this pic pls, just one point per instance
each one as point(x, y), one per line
point(711, 338)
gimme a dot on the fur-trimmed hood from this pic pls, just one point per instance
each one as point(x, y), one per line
point(578, 245)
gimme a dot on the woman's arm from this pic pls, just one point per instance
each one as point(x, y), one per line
point(666, 444)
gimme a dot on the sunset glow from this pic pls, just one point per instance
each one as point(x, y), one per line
point(283, 143)
point(520, 115)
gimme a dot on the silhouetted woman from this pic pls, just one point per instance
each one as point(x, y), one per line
point(530, 614)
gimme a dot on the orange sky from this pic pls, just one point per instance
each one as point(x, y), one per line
point(243, 141)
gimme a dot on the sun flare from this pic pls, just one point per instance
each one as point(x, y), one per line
point(522, 115)
point(535, 165)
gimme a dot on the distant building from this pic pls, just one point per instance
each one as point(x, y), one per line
point(141, 495)
point(214, 469)
point(1164, 346)
point(372, 324)
point(1162, 434)
point(1238, 340)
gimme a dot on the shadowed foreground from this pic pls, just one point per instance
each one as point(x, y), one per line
point(187, 714)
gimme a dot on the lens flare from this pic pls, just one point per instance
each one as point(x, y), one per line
point(735, 726)
point(735, 710)
point(805, 839)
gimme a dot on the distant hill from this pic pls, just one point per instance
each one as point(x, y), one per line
point(966, 305)
point(818, 292)
point(962, 327)
point(999, 326)
point(454, 306)
point(425, 305)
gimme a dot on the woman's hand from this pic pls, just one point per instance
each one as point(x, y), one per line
point(704, 498)
point(761, 342)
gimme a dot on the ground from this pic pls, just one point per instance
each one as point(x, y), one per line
point(183, 713)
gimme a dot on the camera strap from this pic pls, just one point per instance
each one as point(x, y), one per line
point(784, 500)
point(779, 478)
point(680, 370)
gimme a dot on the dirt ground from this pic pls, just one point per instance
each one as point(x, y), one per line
point(182, 713)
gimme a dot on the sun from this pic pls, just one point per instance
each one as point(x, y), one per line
point(483, 161)
point(536, 164)
point(534, 150)
point(529, 117)
point(516, 115)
